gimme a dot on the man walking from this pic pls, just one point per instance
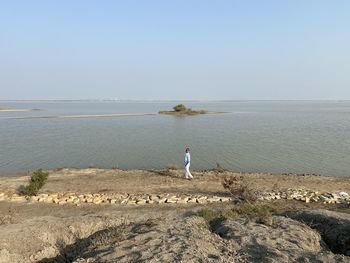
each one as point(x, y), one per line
point(187, 161)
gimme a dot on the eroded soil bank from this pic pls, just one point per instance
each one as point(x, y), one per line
point(169, 232)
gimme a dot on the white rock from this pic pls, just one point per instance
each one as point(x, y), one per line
point(213, 199)
point(113, 201)
point(171, 200)
point(225, 199)
point(161, 201)
point(192, 200)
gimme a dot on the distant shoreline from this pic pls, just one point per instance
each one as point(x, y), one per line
point(17, 110)
point(166, 101)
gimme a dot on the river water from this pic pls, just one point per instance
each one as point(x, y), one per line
point(253, 136)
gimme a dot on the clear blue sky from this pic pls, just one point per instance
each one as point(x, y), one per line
point(294, 49)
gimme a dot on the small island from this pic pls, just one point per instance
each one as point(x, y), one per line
point(182, 110)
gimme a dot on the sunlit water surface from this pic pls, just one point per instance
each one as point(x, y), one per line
point(265, 136)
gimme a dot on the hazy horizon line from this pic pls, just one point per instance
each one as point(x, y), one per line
point(159, 100)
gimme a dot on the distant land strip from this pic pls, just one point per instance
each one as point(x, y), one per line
point(87, 116)
point(17, 110)
point(195, 113)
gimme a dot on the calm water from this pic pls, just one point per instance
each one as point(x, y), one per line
point(302, 137)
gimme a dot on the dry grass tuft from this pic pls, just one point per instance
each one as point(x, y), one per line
point(240, 189)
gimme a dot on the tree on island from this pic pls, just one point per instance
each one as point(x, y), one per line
point(182, 110)
point(180, 107)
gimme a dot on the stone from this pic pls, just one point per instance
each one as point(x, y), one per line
point(192, 200)
point(162, 200)
point(49, 199)
point(213, 199)
point(141, 202)
point(183, 200)
point(69, 200)
point(124, 201)
point(225, 199)
point(314, 199)
point(202, 200)
point(335, 195)
point(97, 200)
point(154, 197)
point(171, 201)
point(113, 201)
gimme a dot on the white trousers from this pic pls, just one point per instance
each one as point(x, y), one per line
point(188, 174)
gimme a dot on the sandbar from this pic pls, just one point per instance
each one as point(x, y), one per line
point(17, 110)
point(80, 116)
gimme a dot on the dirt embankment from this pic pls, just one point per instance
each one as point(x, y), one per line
point(42, 232)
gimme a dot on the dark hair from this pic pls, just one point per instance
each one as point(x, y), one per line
point(187, 149)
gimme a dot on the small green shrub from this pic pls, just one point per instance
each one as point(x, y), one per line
point(254, 210)
point(208, 214)
point(180, 107)
point(37, 180)
point(228, 213)
point(211, 215)
point(261, 213)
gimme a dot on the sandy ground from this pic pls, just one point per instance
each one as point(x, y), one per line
point(171, 181)
point(39, 232)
